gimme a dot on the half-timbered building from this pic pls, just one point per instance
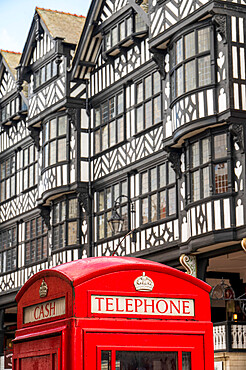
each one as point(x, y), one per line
point(136, 111)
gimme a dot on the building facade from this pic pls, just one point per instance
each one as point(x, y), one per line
point(138, 108)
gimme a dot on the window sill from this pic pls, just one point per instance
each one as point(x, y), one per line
point(191, 92)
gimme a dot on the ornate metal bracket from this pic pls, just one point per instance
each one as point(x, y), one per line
point(221, 27)
point(34, 133)
point(72, 116)
point(174, 156)
point(45, 214)
point(236, 130)
point(189, 263)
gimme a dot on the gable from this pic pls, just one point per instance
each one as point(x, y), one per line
point(7, 83)
point(42, 47)
point(109, 8)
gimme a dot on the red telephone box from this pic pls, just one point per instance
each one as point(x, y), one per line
point(113, 313)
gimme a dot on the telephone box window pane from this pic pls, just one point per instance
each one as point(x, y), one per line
point(132, 360)
point(106, 360)
point(186, 361)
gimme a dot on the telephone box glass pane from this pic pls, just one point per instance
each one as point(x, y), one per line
point(186, 361)
point(106, 360)
point(132, 360)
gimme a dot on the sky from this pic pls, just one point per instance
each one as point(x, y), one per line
point(16, 18)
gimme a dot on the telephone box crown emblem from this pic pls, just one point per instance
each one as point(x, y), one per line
point(43, 290)
point(144, 283)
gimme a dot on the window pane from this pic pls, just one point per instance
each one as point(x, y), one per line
point(172, 201)
point(116, 191)
point(204, 70)
point(148, 89)
point(153, 179)
point(108, 41)
point(72, 233)
point(112, 133)
point(63, 210)
point(111, 108)
point(124, 215)
point(162, 174)
point(128, 26)
point(72, 209)
point(97, 117)
point(179, 81)
point(108, 198)
point(114, 36)
point(189, 45)
point(52, 159)
point(205, 182)
point(48, 71)
point(157, 109)
point(195, 157)
point(179, 51)
point(153, 209)
point(106, 360)
point(220, 146)
point(42, 75)
point(52, 128)
point(145, 210)
point(132, 360)
point(120, 103)
point(148, 114)
point(104, 137)
point(156, 82)
point(62, 127)
point(97, 141)
point(145, 187)
point(203, 40)
point(205, 150)
point(196, 185)
point(221, 178)
point(120, 129)
point(139, 92)
point(171, 174)
point(101, 226)
point(46, 132)
point(56, 217)
point(122, 30)
point(186, 361)
point(105, 112)
point(139, 119)
point(190, 76)
point(163, 205)
point(124, 190)
point(101, 201)
point(62, 150)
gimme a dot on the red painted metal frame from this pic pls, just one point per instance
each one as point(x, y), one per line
point(111, 276)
